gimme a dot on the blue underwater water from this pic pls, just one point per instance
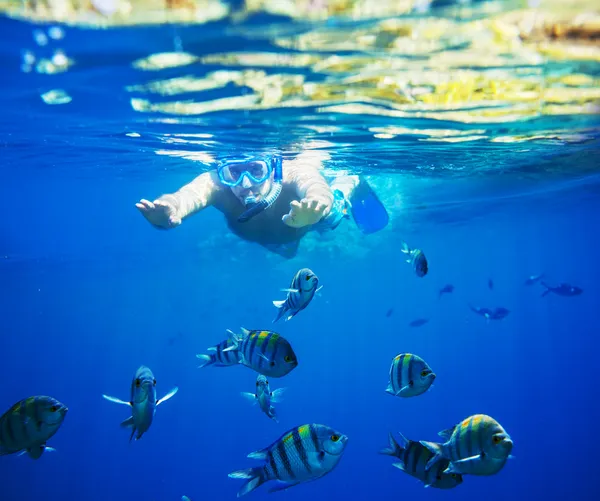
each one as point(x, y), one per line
point(89, 291)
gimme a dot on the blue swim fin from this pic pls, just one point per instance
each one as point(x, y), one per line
point(368, 212)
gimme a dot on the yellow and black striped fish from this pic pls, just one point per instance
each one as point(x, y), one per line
point(409, 376)
point(220, 356)
point(29, 424)
point(477, 445)
point(301, 454)
point(304, 286)
point(266, 352)
point(413, 458)
point(142, 402)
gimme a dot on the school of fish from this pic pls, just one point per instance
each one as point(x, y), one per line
point(478, 445)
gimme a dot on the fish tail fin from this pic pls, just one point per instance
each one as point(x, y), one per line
point(547, 291)
point(273, 414)
point(436, 449)
point(282, 310)
point(395, 449)
point(206, 360)
point(255, 478)
point(405, 248)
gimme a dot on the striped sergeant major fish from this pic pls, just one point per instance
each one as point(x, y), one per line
point(266, 352)
point(417, 258)
point(490, 314)
point(303, 288)
point(562, 290)
point(300, 455)
point(265, 397)
point(413, 458)
point(143, 402)
point(477, 445)
point(220, 356)
point(29, 424)
point(409, 376)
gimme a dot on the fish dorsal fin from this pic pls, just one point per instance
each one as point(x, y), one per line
point(446, 434)
point(232, 335)
point(262, 454)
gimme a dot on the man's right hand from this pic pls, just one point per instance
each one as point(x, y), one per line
point(159, 213)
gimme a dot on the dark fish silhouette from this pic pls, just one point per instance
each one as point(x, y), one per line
point(388, 313)
point(562, 290)
point(532, 279)
point(491, 314)
point(418, 322)
point(447, 289)
point(490, 284)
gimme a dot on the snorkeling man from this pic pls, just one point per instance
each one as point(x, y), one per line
point(271, 201)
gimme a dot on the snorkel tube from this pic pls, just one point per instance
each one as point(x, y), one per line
point(255, 208)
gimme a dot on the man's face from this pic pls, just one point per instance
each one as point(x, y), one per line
point(248, 192)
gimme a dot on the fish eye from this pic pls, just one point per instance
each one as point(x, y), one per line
point(439, 477)
point(257, 383)
point(453, 475)
point(425, 372)
point(497, 439)
point(138, 382)
point(272, 364)
point(335, 438)
point(54, 408)
point(308, 277)
point(287, 358)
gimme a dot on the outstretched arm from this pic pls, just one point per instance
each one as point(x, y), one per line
point(316, 197)
point(167, 211)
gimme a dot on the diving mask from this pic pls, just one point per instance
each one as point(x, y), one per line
point(232, 173)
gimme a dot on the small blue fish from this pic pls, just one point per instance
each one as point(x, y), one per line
point(532, 279)
point(143, 402)
point(265, 352)
point(478, 445)
point(414, 457)
point(490, 284)
point(304, 286)
point(221, 356)
point(389, 313)
point(265, 397)
point(302, 454)
point(29, 424)
point(562, 290)
point(417, 258)
point(447, 289)
point(418, 322)
point(495, 314)
point(410, 376)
